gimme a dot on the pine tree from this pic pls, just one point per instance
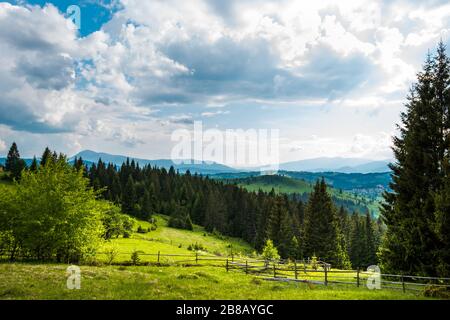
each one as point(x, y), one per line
point(369, 237)
point(46, 157)
point(442, 227)
point(14, 164)
point(322, 234)
point(129, 197)
point(411, 244)
point(34, 165)
point(357, 242)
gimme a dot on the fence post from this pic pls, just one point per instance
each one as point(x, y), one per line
point(326, 275)
point(403, 284)
point(246, 267)
point(357, 277)
point(295, 269)
point(274, 270)
point(159, 253)
point(227, 265)
point(232, 257)
point(196, 257)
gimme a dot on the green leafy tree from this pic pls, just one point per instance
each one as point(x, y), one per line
point(52, 214)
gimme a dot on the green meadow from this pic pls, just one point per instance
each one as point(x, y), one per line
point(171, 278)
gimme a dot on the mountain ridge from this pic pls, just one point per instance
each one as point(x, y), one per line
point(321, 164)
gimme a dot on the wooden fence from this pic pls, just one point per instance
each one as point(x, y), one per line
point(304, 271)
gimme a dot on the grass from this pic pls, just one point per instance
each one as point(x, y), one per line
point(170, 281)
point(48, 281)
point(172, 241)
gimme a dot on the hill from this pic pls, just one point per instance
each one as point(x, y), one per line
point(169, 240)
point(285, 184)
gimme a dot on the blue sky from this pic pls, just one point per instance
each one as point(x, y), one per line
point(332, 78)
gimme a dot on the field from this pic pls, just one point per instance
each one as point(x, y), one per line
point(48, 281)
point(167, 279)
point(172, 241)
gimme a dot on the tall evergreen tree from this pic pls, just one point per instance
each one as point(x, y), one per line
point(14, 164)
point(322, 234)
point(46, 157)
point(411, 244)
point(34, 165)
point(129, 197)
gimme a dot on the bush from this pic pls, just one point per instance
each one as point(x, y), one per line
point(111, 253)
point(135, 259)
point(437, 292)
point(116, 223)
point(196, 247)
point(314, 263)
point(269, 252)
point(141, 230)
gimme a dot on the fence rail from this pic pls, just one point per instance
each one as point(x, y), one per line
point(302, 271)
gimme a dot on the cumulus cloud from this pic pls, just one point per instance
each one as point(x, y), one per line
point(178, 54)
point(2, 145)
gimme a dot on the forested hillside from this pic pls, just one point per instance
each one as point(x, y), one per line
point(298, 229)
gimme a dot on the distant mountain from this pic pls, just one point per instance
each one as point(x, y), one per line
point(338, 180)
point(182, 166)
point(27, 161)
point(337, 164)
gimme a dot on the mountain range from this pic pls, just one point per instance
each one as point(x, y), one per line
point(336, 164)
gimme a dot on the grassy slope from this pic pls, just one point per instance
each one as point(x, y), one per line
point(27, 281)
point(173, 241)
point(48, 281)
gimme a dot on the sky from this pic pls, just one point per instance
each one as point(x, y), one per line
point(332, 78)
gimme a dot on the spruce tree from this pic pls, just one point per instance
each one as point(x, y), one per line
point(322, 234)
point(46, 157)
point(369, 238)
point(34, 165)
point(14, 164)
point(129, 197)
point(411, 244)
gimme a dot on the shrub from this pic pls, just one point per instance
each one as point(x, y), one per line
point(269, 252)
point(111, 254)
point(141, 230)
point(196, 247)
point(437, 292)
point(135, 259)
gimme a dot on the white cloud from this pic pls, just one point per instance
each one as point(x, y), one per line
point(180, 57)
point(2, 145)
